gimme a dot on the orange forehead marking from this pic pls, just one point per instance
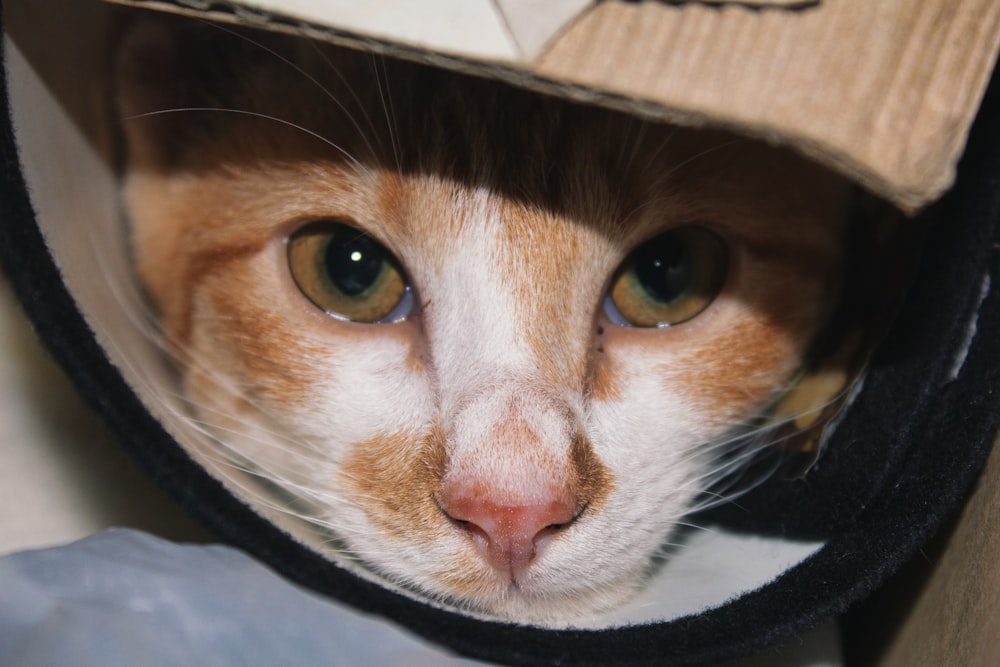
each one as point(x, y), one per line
point(391, 201)
point(555, 286)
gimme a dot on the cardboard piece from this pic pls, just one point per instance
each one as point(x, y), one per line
point(506, 30)
point(883, 92)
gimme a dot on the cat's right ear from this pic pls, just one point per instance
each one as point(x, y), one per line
point(162, 66)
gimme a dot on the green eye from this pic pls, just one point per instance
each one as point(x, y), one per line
point(668, 279)
point(348, 274)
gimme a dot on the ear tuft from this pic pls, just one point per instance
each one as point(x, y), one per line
point(148, 65)
point(161, 64)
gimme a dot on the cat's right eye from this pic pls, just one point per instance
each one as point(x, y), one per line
point(348, 274)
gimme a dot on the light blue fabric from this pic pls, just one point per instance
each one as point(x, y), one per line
point(123, 598)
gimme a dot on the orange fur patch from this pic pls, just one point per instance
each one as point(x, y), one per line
point(593, 480)
point(395, 478)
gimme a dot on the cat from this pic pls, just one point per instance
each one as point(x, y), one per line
point(492, 345)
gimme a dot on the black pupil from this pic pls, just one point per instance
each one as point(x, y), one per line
point(353, 262)
point(663, 267)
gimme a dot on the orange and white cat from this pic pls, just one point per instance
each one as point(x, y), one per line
point(492, 345)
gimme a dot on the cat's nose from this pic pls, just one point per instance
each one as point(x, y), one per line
point(509, 534)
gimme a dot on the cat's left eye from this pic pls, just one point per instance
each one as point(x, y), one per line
point(348, 274)
point(669, 279)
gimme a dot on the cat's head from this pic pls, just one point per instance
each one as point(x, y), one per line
point(491, 345)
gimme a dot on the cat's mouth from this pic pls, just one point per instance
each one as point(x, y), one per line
point(509, 539)
point(511, 545)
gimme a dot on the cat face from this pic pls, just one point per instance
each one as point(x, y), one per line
point(491, 346)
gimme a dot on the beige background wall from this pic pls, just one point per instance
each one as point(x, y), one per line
point(62, 476)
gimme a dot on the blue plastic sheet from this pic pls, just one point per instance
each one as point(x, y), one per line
point(123, 598)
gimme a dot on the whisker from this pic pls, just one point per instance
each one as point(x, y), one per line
point(354, 96)
point(301, 70)
point(385, 96)
point(253, 114)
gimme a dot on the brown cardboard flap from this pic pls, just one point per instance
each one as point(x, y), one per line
point(508, 30)
point(883, 92)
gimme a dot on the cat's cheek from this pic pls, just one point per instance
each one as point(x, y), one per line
point(728, 364)
point(650, 439)
point(651, 432)
point(389, 484)
point(316, 388)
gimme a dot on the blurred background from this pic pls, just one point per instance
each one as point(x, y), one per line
point(62, 475)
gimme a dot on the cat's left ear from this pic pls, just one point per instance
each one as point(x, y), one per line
point(882, 250)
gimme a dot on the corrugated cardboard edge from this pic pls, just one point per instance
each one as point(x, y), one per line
point(882, 92)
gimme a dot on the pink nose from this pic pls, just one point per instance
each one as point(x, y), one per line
point(511, 534)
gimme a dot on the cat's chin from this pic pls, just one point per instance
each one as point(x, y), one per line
point(550, 610)
point(577, 603)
